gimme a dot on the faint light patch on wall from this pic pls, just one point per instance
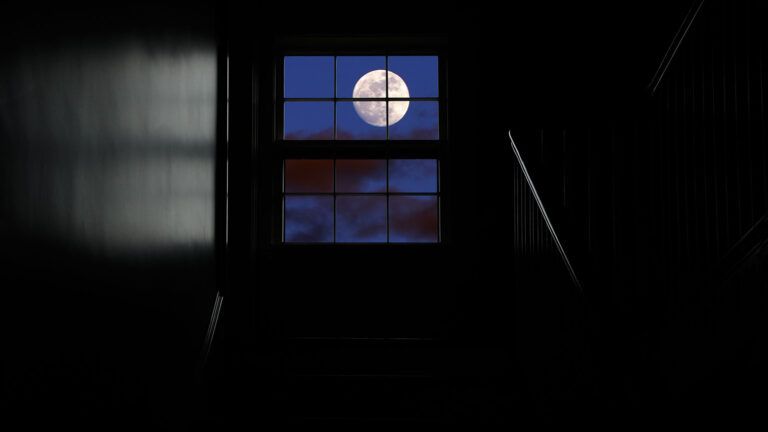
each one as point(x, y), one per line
point(112, 147)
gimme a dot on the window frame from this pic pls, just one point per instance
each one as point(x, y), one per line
point(281, 149)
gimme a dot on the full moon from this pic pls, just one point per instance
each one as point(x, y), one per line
point(374, 85)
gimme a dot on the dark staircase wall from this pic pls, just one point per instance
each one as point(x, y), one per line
point(481, 331)
point(109, 227)
point(651, 197)
point(710, 166)
point(107, 132)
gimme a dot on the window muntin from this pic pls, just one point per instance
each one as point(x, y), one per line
point(380, 193)
point(360, 98)
point(361, 201)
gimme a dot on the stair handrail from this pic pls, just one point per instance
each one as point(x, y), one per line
point(544, 214)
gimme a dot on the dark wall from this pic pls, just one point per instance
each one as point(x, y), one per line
point(651, 194)
point(108, 120)
point(499, 332)
point(112, 216)
point(708, 184)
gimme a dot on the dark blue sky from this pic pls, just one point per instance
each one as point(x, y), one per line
point(308, 121)
point(308, 77)
point(418, 72)
point(361, 217)
point(413, 175)
point(361, 175)
point(314, 121)
point(349, 125)
point(413, 219)
point(312, 77)
point(421, 122)
point(349, 69)
point(308, 219)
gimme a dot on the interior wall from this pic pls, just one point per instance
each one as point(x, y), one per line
point(108, 216)
point(649, 196)
point(108, 123)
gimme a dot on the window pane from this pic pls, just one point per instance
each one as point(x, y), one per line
point(308, 121)
point(418, 72)
point(397, 86)
point(308, 77)
point(364, 175)
point(308, 176)
point(413, 219)
point(413, 175)
point(308, 219)
point(419, 121)
point(350, 70)
point(361, 120)
point(397, 111)
point(361, 219)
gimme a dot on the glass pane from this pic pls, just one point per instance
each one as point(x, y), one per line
point(308, 77)
point(413, 219)
point(397, 86)
point(361, 120)
point(351, 70)
point(419, 120)
point(397, 111)
point(308, 219)
point(361, 175)
point(361, 219)
point(413, 175)
point(418, 72)
point(308, 176)
point(308, 121)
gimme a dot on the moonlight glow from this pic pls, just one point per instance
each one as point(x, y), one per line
point(374, 85)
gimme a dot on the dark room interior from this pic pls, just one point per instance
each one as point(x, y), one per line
point(186, 241)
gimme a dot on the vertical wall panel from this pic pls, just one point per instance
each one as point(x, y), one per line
point(108, 132)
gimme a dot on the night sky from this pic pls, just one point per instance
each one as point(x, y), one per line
point(367, 201)
point(310, 77)
point(361, 200)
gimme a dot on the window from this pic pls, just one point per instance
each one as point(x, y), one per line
point(360, 140)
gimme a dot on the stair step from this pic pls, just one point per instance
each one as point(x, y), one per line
point(357, 356)
point(369, 397)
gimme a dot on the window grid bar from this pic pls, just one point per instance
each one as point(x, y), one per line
point(334, 198)
point(365, 99)
point(388, 199)
point(283, 203)
point(386, 110)
point(386, 94)
point(334, 111)
point(361, 193)
point(395, 244)
point(439, 205)
point(388, 194)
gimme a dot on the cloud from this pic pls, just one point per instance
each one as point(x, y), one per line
point(361, 175)
point(361, 219)
point(367, 134)
point(428, 133)
point(413, 219)
point(395, 133)
point(413, 175)
point(308, 219)
point(308, 176)
point(303, 134)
